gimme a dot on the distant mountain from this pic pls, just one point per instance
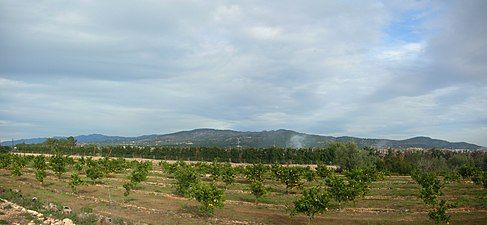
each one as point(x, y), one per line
point(278, 138)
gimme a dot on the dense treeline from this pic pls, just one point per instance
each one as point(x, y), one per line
point(346, 155)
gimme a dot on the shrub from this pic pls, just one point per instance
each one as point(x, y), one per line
point(209, 196)
point(312, 201)
point(258, 189)
point(58, 164)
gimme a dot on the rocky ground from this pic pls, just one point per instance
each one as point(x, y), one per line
point(11, 213)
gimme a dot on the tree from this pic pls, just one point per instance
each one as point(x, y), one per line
point(70, 141)
point(349, 156)
point(186, 178)
point(5, 161)
point(16, 165)
point(255, 172)
point(258, 189)
point(94, 170)
point(338, 188)
point(228, 174)
point(215, 170)
point(57, 164)
point(75, 182)
point(40, 168)
point(313, 201)
point(209, 196)
point(430, 192)
point(138, 174)
point(290, 176)
point(323, 171)
point(309, 174)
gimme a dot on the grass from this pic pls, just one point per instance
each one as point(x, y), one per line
point(391, 201)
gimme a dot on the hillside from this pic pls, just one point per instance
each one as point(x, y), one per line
point(278, 138)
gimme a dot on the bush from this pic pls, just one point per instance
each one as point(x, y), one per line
point(290, 176)
point(209, 196)
point(322, 171)
point(58, 164)
point(258, 189)
point(94, 170)
point(186, 177)
point(75, 182)
point(255, 172)
point(228, 174)
point(138, 174)
point(312, 201)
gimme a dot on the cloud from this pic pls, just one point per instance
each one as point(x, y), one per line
point(374, 69)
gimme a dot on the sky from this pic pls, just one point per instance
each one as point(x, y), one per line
point(378, 69)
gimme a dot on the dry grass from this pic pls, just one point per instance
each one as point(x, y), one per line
point(392, 201)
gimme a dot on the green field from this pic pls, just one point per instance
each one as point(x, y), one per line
point(393, 200)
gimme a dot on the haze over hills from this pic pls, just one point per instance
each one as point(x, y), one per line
point(231, 138)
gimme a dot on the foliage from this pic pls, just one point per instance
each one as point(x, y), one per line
point(255, 172)
point(139, 174)
point(349, 156)
point(438, 214)
point(58, 164)
point(309, 174)
point(186, 177)
point(313, 201)
point(467, 171)
point(258, 189)
point(94, 170)
point(228, 174)
point(430, 192)
point(338, 188)
point(75, 181)
point(16, 165)
point(209, 196)
point(40, 175)
point(290, 176)
point(322, 171)
point(215, 170)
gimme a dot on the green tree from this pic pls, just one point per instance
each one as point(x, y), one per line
point(290, 176)
point(186, 178)
point(58, 164)
point(255, 172)
point(431, 192)
point(138, 175)
point(228, 174)
point(313, 200)
point(75, 182)
point(94, 170)
point(258, 189)
point(322, 171)
point(40, 168)
point(209, 196)
point(349, 156)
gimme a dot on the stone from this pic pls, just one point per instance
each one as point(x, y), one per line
point(67, 221)
point(104, 221)
point(67, 210)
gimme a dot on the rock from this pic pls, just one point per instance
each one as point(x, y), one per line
point(67, 221)
point(104, 221)
point(67, 210)
point(51, 207)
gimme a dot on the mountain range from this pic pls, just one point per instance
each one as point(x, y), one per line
point(231, 138)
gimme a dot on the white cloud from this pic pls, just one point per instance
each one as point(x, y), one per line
point(314, 66)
